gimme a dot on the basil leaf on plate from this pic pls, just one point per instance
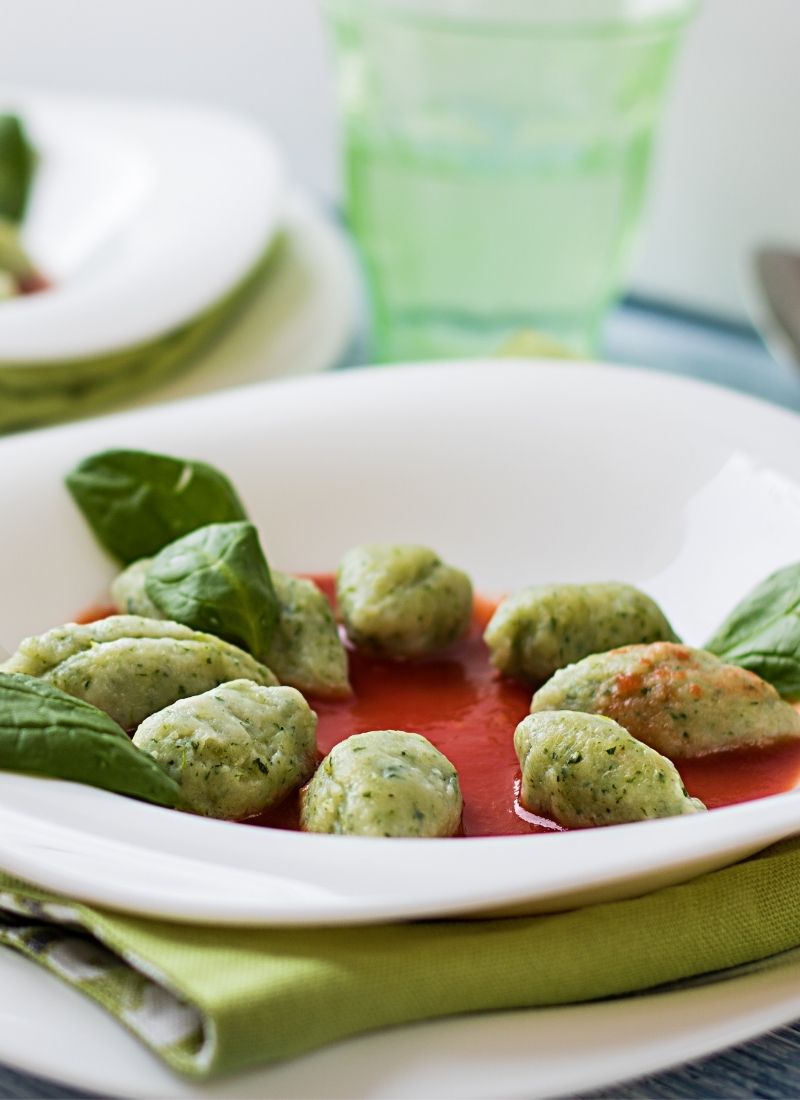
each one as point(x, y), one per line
point(137, 502)
point(47, 732)
point(217, 579)
point(762, 633)
point(17, 165)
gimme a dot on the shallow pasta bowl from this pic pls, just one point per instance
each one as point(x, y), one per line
point(517, 471)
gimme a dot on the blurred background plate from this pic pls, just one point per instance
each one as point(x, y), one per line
point(143, 217)
point(302, 316)
point(297, 313)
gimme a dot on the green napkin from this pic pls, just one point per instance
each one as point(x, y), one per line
point(210, 1001)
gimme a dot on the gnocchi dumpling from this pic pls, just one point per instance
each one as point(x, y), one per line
point(130, 666)
point(234, 750)
point(680, 701)
point(306, 650)
point(383, 783)
point(585, 769)
point(402, 601)
point(540, 629)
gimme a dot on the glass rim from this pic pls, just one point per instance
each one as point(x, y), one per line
point(555, 14)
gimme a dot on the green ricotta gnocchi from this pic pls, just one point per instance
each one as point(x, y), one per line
point(585, 769)
point(129, 593)
point(383, 783)
point(681, 701)
point(538, 630)
point(130, 666)
point(234, 750)
point(402, 601)
point(306, 650)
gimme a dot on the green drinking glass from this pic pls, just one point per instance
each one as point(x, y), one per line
point(495, 155)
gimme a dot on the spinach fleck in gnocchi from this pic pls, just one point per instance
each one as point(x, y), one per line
point(402, 601)
point(130, 666)
point(681, 701)
point(234, 750)
point(585, 769)
point(540, 629)
point(383, 783)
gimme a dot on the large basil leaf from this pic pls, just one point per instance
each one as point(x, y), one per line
point(17, 165)
point(217, 579)
point(47, 732)
point(137, 502)
point(762, 633)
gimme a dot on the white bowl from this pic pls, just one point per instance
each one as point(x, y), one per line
point(520, 472)
point(143, 214)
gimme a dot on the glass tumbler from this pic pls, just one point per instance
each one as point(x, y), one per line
point(495, 161)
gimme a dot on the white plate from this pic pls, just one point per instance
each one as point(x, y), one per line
point(143, 215)
point(303, 317)
point(526, 1054)
point(519, 471)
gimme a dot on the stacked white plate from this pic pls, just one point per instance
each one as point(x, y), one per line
point(173, 244)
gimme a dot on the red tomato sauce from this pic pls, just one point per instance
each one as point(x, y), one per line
point(95, 612)
point(469, 712)
point(739, 775)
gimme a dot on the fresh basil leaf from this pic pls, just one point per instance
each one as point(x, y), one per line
point(217, 579)
point(137, 502)
point(17, 165)
point(762, 633)
point(47, 732)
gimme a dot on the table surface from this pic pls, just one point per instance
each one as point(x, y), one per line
point(653, 335)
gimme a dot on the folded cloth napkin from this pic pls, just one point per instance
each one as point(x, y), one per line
point(209, 1000)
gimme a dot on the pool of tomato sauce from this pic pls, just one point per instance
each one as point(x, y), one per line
point(470, 713)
